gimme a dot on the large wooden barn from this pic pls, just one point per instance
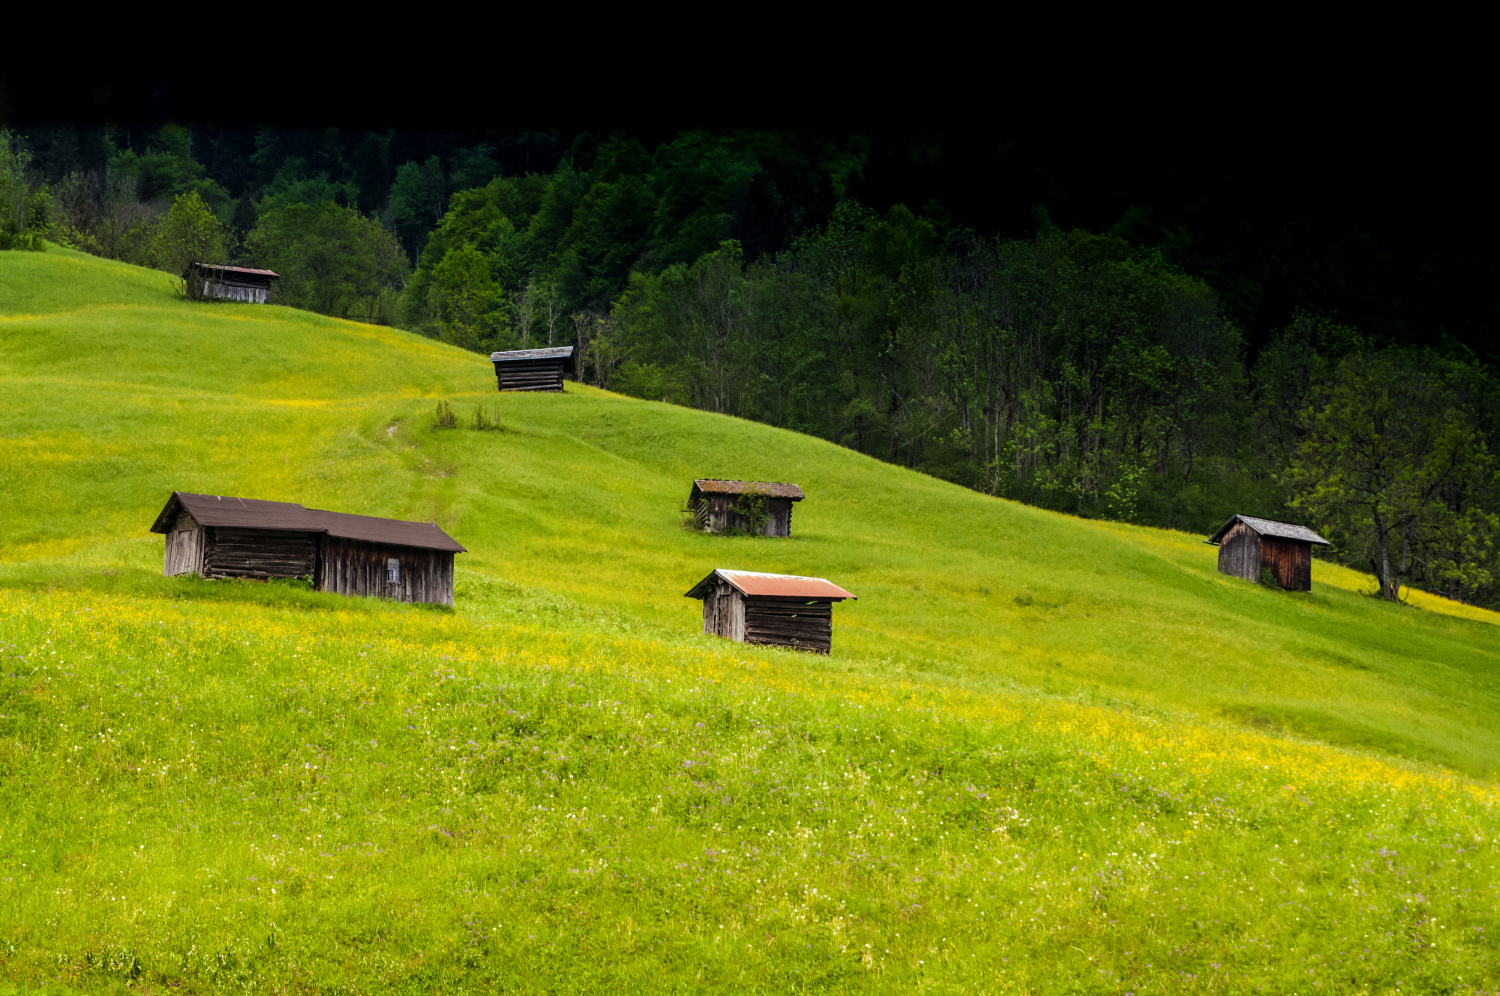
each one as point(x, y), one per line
point(221, 537)
point(781, 610)
point(233, 283)
point(533, 369)
point(726, 504)
point(1248, 545)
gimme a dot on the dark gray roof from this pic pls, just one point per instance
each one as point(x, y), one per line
point(550, 353)
point(252, 513)
point(774, 489)
point(242, 271)
point(1270, 527)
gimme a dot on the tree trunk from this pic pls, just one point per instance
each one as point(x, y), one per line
point(1385, 559)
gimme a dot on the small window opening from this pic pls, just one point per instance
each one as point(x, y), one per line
point(393, 570)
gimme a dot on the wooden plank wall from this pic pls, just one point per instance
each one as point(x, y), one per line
point(259, 553)
point(184, 553)
point(724, 613)
point(352, 567)
point(1239, 553)
point(529, 375)
point(1290, 560)
point(724, 516)
point(789, 623)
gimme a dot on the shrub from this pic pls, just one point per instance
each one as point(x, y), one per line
point(444, 417)
point(483, 423)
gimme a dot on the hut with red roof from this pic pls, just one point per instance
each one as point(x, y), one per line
point(781, 610)
point(232, 283)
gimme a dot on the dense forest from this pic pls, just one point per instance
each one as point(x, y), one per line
point(1118, 373)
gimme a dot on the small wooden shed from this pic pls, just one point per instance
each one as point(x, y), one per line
point(728, 504)
point(1248, 545)
point(233, 283)
point(222, 537)
point(781, 610)
point(533, 369)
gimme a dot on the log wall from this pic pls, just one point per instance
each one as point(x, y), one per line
point(259, 553)
point(789, 623)
point(352, 567)
point(530, 375)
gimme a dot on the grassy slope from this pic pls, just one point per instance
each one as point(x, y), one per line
point(1002, 628)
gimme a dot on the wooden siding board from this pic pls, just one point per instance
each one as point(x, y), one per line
point(184, 551)
point(353, 567)
point(723, 515)
point(1239, 553)
point(1289, 560)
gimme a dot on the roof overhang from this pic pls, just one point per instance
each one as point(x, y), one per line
point(281, 516)
point(758, 585)
point(564, 353)
point(767, 489)
point(1268, 527)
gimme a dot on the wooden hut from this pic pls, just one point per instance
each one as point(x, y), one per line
point(533, 369)
point(781, 610)
point(732, 505)
point(233, 283)
point(1248, 545)
point(222, 537)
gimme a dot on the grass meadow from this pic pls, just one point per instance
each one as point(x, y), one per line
point(1046, 754)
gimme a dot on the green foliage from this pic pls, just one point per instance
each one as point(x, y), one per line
point(418, 200)
point(1000, 777)
point(467, 302)
point(444, 417)
point(166, 170)
point(1066, 371)
point(330, 259)
point(483, 423)
point(23, 201)
point(1395, 459)
point(292, 185)
point(188, 234)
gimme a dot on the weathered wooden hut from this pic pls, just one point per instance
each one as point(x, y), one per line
point(221, 537)
point(782, 610)
point(1248, 545)
point(233, 283)
point(533, 369)
point(732, 505)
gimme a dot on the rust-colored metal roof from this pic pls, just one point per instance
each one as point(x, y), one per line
point(773, 586)
point(773, 489)
point(252, 513)
point(247, 271)
point(1269, 527)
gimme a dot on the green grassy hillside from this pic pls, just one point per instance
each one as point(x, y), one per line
point(1045, 754)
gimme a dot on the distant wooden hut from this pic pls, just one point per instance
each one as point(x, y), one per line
point(233, 283)
point(1248, 545)
point(533, 369)
point(730, 504)
point(781, 610)
point(222, 537)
